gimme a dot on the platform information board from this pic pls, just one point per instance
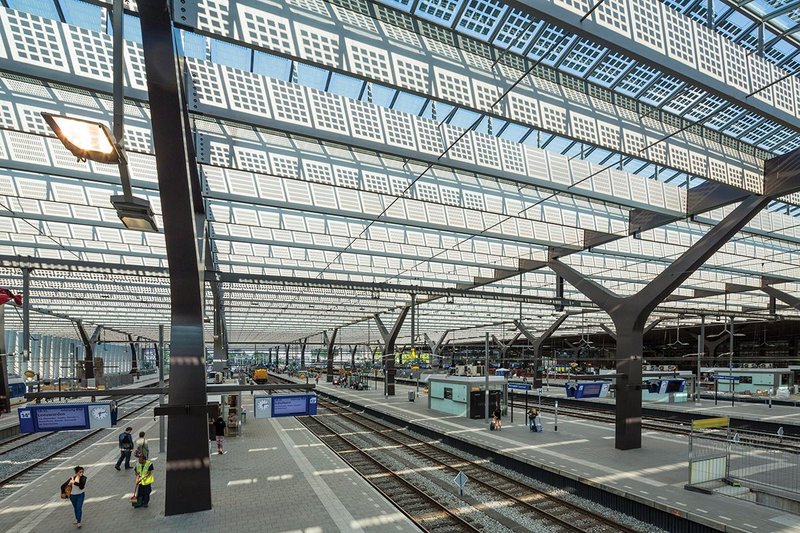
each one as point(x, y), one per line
point(63, 418)
point(278, 405)
point(67, 416)
point(520, 386)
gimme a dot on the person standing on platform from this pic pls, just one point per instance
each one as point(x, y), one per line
point(219, 429)
point(125, 448)
point(498, 421)
point(144, 482)
point(76, 496)
point(316, 378)
point(141, 447)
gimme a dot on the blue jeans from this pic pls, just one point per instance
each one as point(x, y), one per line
point(77, 505)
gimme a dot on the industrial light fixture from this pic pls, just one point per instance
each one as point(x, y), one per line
point(87, 140)
point(93, 141)
point(135, 213)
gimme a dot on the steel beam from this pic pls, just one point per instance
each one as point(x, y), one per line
point(331, 347)
point(630, 313)
point(303, 353)
point(784, 297)
point(184, 228)
point(598, 33)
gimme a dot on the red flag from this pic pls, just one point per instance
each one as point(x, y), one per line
point(6, 296)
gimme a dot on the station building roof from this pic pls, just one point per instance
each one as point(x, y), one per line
point(354, 151)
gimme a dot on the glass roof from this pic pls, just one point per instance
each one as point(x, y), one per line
point(352, 152)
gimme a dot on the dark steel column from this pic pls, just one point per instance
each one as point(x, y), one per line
point(353, 350)
point(26, 315)
point(89, 344)
point(537, 343)
point(287, 353)
point(331, 348)
point(188, 483)
point(630, 313)
point(303, 353)
point(5, 391)
point(389, 338)
point(134, 358)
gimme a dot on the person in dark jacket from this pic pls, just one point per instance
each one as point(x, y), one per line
point(219, 429)
point(76, 497)
point(498, 418)
point(125, 448)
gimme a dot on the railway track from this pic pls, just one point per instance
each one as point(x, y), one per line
point(425, 511)
point(492, 494)
point(18, 479)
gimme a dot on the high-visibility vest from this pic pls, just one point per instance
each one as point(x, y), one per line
point(145, 475)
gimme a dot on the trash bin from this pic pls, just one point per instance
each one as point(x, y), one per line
point(411, 396)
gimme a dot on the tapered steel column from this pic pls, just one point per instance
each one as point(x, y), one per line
point(389, 339)
point(537, 342)
point(287, 354)
point(303, 353)
point(331, 348)
point(26, 315)
point(5, 391)
point(188, 483)
point(630, 313)
point(701, 341)
point(353, 350)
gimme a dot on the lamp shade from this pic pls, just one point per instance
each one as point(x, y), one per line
point(84, 138)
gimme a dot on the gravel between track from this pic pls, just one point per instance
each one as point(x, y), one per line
point(531, 525)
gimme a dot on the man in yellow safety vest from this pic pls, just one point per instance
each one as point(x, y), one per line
point(144, 482)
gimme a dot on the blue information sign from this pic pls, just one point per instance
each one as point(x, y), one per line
point(727, 378)
point(66, 417)
point(276, 405)
point(289, 405)
point(520, 386)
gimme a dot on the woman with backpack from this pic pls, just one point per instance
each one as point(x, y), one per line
point(140, 447)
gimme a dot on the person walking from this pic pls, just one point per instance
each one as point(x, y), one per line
point(125, 448)
point(498, 418)
point(77, 485)
point(141, 449)
point(144, 482)
point(533, 413)
point(219, 431)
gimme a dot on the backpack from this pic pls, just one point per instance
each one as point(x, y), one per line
point(125, 441)
point(142, 450)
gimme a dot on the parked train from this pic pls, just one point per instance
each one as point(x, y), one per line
point(260, 375)
point(17, 389)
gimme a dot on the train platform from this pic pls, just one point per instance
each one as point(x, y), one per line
point(275, 477)
point(779, 414)
point(756, 411)
point(584, 450)
point(10, 420)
